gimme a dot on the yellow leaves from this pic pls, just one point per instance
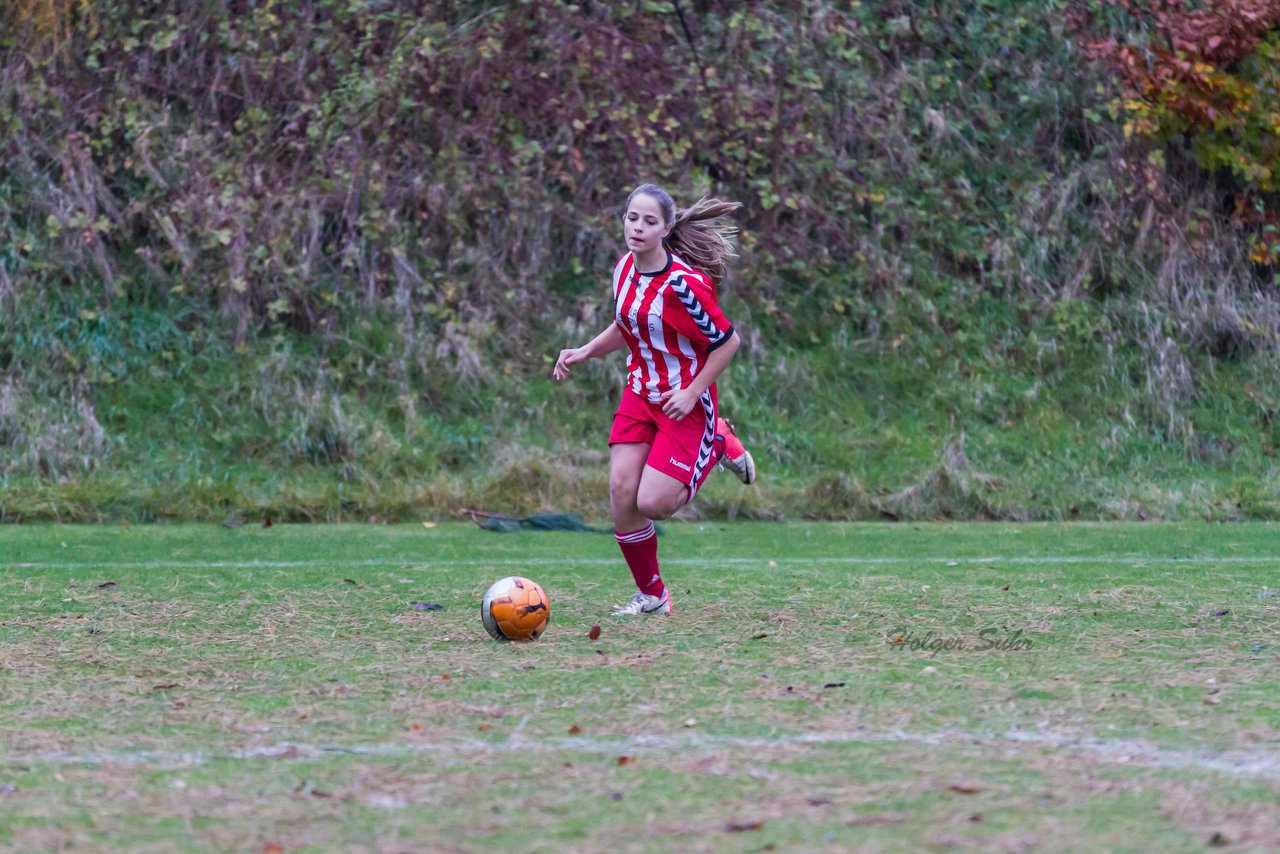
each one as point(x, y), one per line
point(54, 22)
point(1264, 252)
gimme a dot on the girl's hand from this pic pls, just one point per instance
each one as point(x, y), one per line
point(678, 403)
point(568, 357)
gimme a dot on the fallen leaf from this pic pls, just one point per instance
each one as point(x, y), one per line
point(742, 827)
point(626, 760)
point(594, 634)
point(876, 820)
point(415, 727)
point(425, 606)
point(966, 787)
point(444, 676)
point(272, 848)
point(108, 585)
point(485, 727)
point(575, 730)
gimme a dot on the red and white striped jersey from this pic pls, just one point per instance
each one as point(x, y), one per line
point(670, 319)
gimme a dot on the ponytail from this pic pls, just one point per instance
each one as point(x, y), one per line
point(700, 234)
point(704, 238)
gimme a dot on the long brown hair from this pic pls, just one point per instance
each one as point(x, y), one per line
point(700, 234)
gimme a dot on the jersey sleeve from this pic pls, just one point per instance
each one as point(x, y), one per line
point(702, 319)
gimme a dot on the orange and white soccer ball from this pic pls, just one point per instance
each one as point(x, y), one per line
point(515, 608)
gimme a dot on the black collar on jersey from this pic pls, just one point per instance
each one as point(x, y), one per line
point(665, 268)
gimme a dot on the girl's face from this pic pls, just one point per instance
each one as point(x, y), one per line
point(642, 225)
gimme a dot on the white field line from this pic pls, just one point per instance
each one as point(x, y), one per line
point(1256, 762)
point(404, 562)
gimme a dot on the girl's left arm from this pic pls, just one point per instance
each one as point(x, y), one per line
point(680, 402)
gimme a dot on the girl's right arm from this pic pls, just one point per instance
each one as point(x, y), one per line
point(606, 342)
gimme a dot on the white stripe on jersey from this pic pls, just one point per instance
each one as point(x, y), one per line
point(631, 318)
point(661, 346)
point(662, 357)
point(686, 348)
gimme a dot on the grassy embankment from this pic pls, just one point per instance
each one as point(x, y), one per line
point(330, 285)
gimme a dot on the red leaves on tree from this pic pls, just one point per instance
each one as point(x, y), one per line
point(1186, 66)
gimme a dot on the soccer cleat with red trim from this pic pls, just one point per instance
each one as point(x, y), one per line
point(736, 459)
point(643, 603)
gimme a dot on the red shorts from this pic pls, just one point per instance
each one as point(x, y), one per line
point(682, 449)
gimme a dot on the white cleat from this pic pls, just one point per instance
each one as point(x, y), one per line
point(643, 603)
point(736, 459)
point(744, 467)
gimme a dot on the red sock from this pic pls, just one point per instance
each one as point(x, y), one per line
point(717, 450)
point(640, 548)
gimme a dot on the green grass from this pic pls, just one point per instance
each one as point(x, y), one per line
point(842, 431)
point(821, 687)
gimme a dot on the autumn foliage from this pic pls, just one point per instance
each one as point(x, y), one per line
point(1210, 76)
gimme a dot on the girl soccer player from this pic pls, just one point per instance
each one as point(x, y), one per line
point(666, 432)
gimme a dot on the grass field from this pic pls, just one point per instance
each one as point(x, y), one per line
point(820, 687)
